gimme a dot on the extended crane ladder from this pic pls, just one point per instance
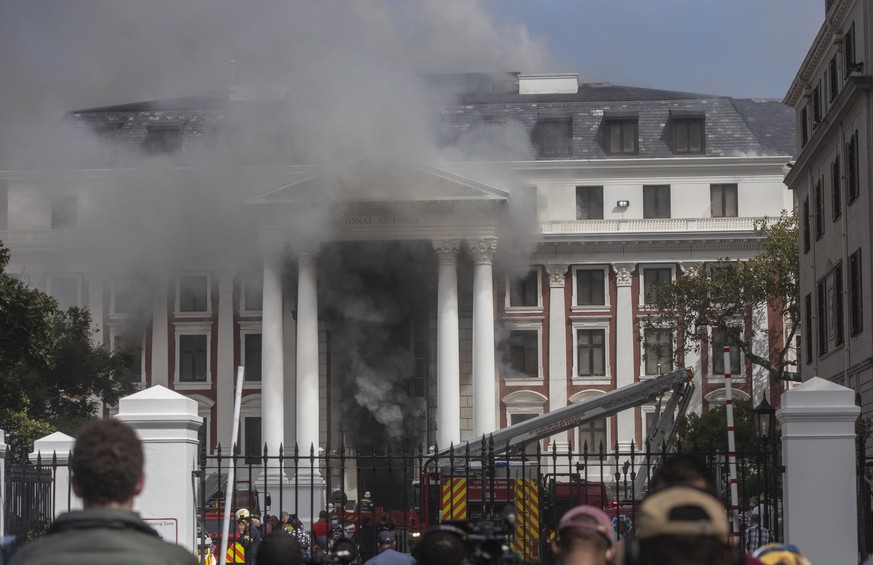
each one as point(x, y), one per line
point(513, 438)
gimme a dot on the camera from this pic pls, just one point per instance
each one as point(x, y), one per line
point(487, 541)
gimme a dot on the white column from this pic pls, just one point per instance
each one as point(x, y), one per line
point(448, 345)
point(307, 352)
point(557, 347)
point(95, 306)
point(290, 335)
point(272, 360)
point(226, 372)
point(58, 446)
point(484, 375)
point(818, 448)
point(160, 334)
point(166, 423)
point(626, 343)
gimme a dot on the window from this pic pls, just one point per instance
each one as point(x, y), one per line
point(805, 220)
point(719, 342)
point(525, 291)
point(856, 313)
point(853, 170)
point(134, 373)
point(622, 136)
point(252, 357)
point(192, 357)
point(723, 200)
point(592, 437)
point(688, 135)
point(836, 194)
point(553, 138)
point(162, 140)
point(591, 352)
point(656, 201)
point(849, 50)
point(254, 445)
point(830, 310)
point(590, 287)
point(807, 328)
point(194, 293)
point(589, 202)
point(658, 351)
point(816, 105)
point(819, 210)
point(652, 279)
point(253, 292)
point(123, 298)
point(64, 213)
point(524, 359)
point(66, 290)
point(834, 82)
point(804, 126)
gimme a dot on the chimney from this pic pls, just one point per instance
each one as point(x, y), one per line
point(567, 83)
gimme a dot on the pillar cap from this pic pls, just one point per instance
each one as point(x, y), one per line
point(156, 400)
point(57, 442)
point(818, 392)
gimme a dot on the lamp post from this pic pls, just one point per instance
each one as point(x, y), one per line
point(765, 429)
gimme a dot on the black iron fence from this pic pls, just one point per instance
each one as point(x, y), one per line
point(411, 489)
point(30, 495)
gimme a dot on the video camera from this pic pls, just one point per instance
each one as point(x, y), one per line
point(487, 541)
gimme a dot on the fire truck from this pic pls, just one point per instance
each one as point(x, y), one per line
point(479, 480)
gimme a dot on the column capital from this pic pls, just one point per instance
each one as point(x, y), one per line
point(225, 281)
point(447, 250)
point(557, 274)
point(271, 252)
point(623, 273)
point(483, 250)
point(305, 254)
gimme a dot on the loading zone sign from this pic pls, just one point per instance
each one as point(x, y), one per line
point(167, 528)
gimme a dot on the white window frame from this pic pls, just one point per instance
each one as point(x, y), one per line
point(114, 283)
point(527, 324)
point(592, 323)
point(49, 280)
point(642, 273)
point(643, 374)
point(246, 328)
point(246, 280)
point(204, 410)
point(575, 307)
point(199, 314)
point(523, 309)
point(717, 396)
point(524, 402)
point(250, 407)
point(193, 328)
point(593, 472)
point(711, 375)
point(116, 332)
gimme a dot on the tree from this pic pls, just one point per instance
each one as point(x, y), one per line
point(717, 300)
point(707, 432)
point(51, 373)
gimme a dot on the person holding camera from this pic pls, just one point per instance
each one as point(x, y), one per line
point(387, 554)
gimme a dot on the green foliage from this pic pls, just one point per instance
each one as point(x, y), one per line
point(51, 372)
point(723, 296)
point(708, 432)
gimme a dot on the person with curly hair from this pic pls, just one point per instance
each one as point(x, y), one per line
point(107, 473)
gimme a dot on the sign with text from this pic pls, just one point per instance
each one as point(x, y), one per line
point(167, 528)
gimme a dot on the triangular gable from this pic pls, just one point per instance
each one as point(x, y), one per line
point(377, 179)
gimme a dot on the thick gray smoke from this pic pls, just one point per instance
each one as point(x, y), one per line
point(345, 77)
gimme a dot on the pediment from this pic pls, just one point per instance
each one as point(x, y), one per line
point(378, 179)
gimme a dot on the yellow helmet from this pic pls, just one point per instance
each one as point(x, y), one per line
point(243, 514)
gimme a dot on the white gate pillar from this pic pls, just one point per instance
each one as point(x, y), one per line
point(167, 424)
point(818, 451)
point(53, 452)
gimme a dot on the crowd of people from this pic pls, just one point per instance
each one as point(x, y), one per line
point(682, 522)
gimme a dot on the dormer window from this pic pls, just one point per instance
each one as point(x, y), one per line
point(688, 133)
point(621, 135)
point(553, 138)
point(163, 139)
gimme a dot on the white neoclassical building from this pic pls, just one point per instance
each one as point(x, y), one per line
point(380, 300)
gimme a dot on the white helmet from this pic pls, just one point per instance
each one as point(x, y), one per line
point(243, 514)
point(367, 494)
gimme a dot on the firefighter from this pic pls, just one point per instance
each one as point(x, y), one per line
point(366, 503)
point(249, 536)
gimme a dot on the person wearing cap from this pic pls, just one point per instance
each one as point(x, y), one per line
point(584, 537)
point(756, 535)
point(682, 526)
point(387, 554)
point(781, 554)
point(249, 536)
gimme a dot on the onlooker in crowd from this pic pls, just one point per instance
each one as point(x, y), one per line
point(442, 545)
point(681, 526)
point(299, 533)
point(284, 522)
point(683, 470)
point(320, 530)
point(781, 554)
point(365, 537)
point(584, 537)
point(279, 548)
point(756, 535)
point(107, 473)
point(387, 555)
point(386, 523)
point(366, 503)
point(249, 535)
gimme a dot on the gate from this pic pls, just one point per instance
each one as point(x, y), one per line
point(29, 505)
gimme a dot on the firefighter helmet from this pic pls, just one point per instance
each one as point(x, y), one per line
point(243, 514)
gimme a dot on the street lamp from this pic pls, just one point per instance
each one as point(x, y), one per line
point(765, 419)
